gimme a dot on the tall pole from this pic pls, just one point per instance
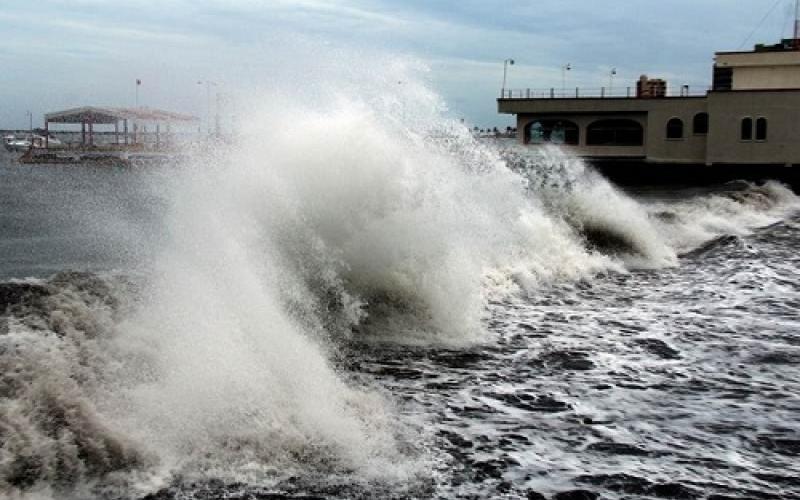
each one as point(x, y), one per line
point(796, 24)
point(506, 62)
point(208, 84)
point(216, 116)
point(30, 123)
point(611, 81)
point(208, 107)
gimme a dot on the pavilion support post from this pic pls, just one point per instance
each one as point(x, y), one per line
point(158, 136)
point(46, 134)
point(116, 133)
point(83, 133)
point(91, 133)
point(125, 130)
point(135, 133)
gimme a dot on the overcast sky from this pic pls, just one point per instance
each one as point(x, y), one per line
point(57, 54)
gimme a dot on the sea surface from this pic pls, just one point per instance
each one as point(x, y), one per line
point(356, 312)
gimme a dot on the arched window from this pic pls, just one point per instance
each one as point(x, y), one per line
point(615, 132)
point(700, 124)
point(675, 128)
point(761, 129)
point(747, 129)
point(551, 131)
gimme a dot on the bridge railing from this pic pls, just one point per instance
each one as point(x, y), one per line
point(597, 92)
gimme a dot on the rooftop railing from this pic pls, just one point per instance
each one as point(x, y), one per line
point(601, 92)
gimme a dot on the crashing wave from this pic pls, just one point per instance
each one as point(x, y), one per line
point(349, 221)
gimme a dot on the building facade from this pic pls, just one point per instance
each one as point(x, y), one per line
point(749, 117)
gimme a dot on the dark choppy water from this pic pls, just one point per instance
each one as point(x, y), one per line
point(632, 377)
point(678, 383)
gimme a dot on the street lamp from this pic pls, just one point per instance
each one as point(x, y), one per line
point(611, 76)
point(29, 114)
point(208, 84)
point(506, 63)
point(564, 69)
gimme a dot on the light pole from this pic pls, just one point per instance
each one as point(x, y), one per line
point(30, 122)
point(564, 69)
point(611, 76)
point(506, 63)
point(208, 84)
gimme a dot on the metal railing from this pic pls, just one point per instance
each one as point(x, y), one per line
point(601, 92)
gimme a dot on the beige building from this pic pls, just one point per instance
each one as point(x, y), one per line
point(651, 87)
point(750, 116)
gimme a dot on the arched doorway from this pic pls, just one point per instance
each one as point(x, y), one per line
point(552, 132)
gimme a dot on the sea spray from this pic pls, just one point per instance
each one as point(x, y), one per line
point(54, 359)
point(350, 216)
point(409, 222)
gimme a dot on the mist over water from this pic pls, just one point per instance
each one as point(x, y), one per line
point(283, 302)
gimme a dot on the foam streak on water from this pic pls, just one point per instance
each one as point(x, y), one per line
point(368, 302)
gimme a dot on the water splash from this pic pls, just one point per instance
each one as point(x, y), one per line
point(355, 214)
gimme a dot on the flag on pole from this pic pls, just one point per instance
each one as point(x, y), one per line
point(138, 82)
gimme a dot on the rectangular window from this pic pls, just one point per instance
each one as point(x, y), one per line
point(747, 129)
point(761, 129)
point(723, 78)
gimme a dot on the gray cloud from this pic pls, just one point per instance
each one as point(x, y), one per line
point(91, 51)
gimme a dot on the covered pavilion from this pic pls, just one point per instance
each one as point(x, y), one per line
point(89, 116)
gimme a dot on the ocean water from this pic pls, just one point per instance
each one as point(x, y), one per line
point(371, 305)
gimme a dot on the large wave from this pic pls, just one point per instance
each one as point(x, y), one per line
point(360, 216)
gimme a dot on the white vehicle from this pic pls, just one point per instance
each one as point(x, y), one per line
point(14, 143)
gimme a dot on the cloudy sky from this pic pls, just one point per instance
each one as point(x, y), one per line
point(64, 53)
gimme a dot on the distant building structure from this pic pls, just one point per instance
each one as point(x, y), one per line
point(126, 140)
point(748, 117)
point(651, 87)
point(129, 123)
